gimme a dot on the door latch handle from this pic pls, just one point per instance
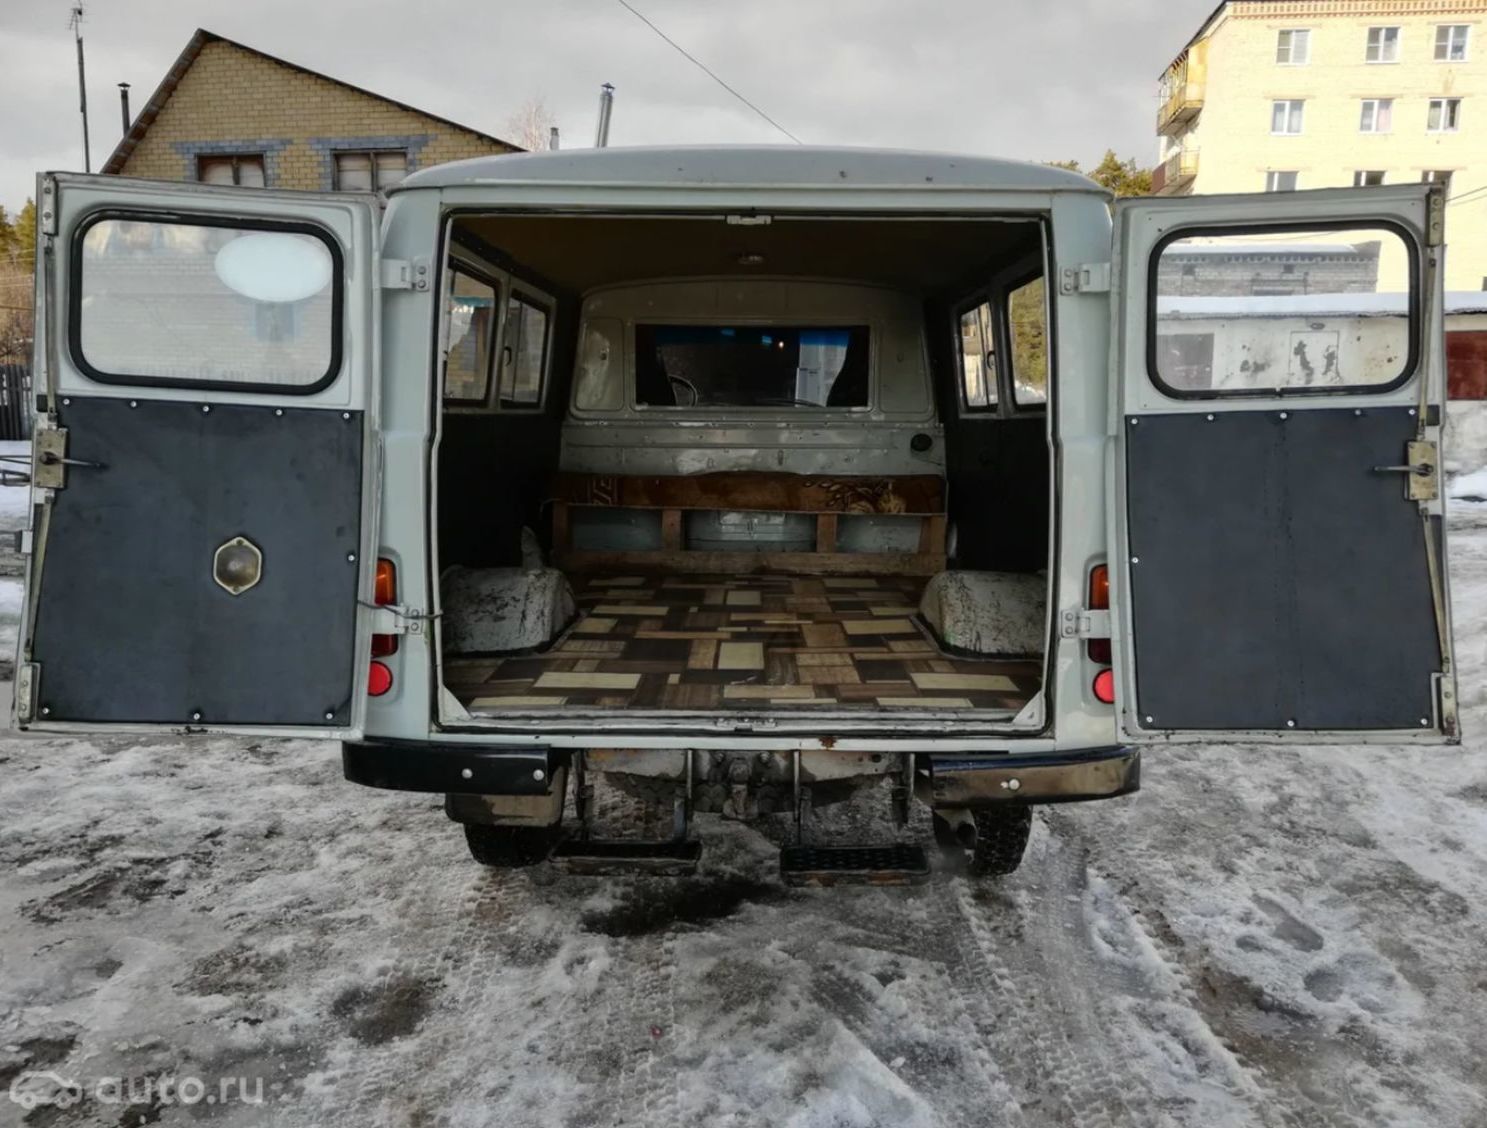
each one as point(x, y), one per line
point(48, 458)
point(1422, 469)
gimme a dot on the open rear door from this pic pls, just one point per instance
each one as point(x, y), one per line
point(204, 461)
point(1278, 551)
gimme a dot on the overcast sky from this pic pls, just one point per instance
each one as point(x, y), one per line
point(1020, 78)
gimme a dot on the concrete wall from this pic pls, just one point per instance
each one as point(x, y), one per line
point(236, 101)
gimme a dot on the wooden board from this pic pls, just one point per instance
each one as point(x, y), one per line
point(746, 563)
point(752, 490)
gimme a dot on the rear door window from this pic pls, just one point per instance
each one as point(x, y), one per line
point(206, 304)
point(1297, 311)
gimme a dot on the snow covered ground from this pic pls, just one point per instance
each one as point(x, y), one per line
point(1262, 936)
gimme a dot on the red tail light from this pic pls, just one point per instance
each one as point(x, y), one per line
point(384, 592)
point(1099, 600)
point(379, 679)
point(1104, 687)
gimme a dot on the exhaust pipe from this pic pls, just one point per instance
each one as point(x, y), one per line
point(606, 107)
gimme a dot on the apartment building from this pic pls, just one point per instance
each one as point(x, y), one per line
point(1278, 95)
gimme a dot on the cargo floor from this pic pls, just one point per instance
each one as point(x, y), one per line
point(709, 642)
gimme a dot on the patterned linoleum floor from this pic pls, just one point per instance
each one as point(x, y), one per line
point(704, 642)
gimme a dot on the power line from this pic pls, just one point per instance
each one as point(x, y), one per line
point(708, 71)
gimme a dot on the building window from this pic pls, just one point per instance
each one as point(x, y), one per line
point(1383, 45)
point(1450, 43)
point(1445, 115)
point(1378, 115)
point(1277, 181)
point(1293, 46)
point(242, 169)
point(374, 171)
point(1285, 117)
point(1366, 178)
point(1440, 176)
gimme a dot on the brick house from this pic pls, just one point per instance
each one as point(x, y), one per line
point(226, 113)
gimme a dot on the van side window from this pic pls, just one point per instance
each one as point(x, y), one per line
point(523, 353)
point(472, 326)
point(978, 367)
point(1291, 310)
point(1027, 325)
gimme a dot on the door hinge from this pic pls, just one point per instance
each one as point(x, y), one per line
point(1084, 623)
point(404, 274)
point(1421, 470)
point(27, 678)
point(1086, 278)
point(49, 457)
point(47, 220)
point(395, 619)
point(1435, 216)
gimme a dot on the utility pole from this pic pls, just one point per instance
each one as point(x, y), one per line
point(76, 24)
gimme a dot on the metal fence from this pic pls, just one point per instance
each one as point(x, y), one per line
point(15, 401)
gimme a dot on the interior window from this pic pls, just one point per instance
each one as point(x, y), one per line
point(751, 366)
point(1027, 322)
point(523, 353)
point(207, 304)
point(472, 312)
point(1282, 311)
point(978, 370)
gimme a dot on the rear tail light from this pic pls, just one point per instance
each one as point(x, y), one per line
point(384, 593)
point(379, 679)
point(1104, 687)
point(1099, 600)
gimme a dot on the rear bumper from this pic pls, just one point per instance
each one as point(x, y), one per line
point(952, 781)
point(1063, 777)
point(474, 769)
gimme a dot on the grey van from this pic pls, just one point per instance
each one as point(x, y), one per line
point(744, 477)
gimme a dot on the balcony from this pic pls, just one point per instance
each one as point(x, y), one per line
point(1182, 90)
point(1183, 104)
point(1175, 175)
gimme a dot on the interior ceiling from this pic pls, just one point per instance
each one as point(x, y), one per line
point(579, 253)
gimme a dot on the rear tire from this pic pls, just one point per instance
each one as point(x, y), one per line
point(1001, 840)
point(510, 847)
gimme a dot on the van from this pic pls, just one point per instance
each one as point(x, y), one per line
point(745, 478)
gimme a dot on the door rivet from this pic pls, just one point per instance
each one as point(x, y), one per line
point(345, 415)
point(1290, 724)
point(1210, 417)
point(1014, 784)
point(278, 411)
point(206, 407)
point(1134, 421)
point(1425, 722)
point(329, 716)
point(196, 716)
point(1135, 560)
point(46, 710)
point(134, 403)
point(1412, 411)
point(65, 401)
point(466, 773)
point(538, 774)
point(1148, 720)
point(1284, 415)
point(351, 558)
point(1357, 411)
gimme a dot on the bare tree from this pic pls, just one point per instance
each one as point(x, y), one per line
point(531, 126)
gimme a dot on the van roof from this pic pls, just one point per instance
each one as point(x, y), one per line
point(749, 166)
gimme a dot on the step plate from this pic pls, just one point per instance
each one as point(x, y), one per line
point(894, 864)
point(609, 856)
